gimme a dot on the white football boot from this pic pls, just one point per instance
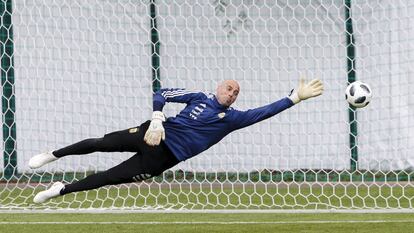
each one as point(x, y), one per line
point(52, 192)
point(41, 159)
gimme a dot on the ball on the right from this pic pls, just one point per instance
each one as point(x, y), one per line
point(358, 94)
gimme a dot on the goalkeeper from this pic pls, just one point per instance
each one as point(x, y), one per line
point(162, 143)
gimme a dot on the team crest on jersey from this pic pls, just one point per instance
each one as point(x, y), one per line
point(221, 115)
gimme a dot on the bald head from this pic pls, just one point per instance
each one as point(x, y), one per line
point(227, 92)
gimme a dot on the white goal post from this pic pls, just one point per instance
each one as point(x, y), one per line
point(76, 69)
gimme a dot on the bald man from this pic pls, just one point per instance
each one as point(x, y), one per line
point(162, 143)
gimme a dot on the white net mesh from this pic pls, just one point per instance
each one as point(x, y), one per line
point(83, 69)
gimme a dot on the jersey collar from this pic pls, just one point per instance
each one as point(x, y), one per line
point(217, 104)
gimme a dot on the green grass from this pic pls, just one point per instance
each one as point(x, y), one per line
point(197, 222)
point(265, 196)
point(258, 196)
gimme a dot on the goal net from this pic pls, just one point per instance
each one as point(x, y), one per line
point(78, 69)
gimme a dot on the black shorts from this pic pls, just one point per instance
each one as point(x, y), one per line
point(148, 161)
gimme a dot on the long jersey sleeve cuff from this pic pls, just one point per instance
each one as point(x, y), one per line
point(157, 105)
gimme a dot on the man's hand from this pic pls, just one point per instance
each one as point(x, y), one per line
point(155, 131)
point(306, 91)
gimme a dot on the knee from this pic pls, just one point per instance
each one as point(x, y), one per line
point(111, 178)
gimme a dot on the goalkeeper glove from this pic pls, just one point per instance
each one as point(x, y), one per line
point(306, 91)
point(155, 131)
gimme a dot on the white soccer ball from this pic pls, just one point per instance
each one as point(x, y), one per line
point(358, 94)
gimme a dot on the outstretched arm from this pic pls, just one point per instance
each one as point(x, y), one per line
point(241, 119)
point(304, 91)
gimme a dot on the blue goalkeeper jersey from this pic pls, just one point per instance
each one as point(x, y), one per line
point(204, 122)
